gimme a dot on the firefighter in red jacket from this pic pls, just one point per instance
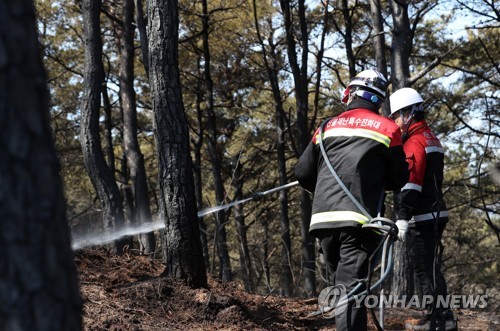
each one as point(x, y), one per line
point(366, 152)
point(422, 213)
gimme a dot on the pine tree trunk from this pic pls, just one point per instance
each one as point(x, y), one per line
point(402, 280)
point(266, 269)
point(270, 60)
point(402, 39)
point(133, 155)
point(308, 248)
point(379, 44)
point(198, 184)
point(301, 81)
point(286, 252)
point(38, 279)
point(108, 128)
point(100, 174)
point(225, 272)
point(181, 239)
point(351, 58)
point(141, 27)
point(241, 230)
point(287, 282)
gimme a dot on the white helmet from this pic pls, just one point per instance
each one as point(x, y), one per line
point(404, 98)
point(371, 81)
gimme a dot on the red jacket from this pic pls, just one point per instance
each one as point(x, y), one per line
point(366, 151)
point(422, 198)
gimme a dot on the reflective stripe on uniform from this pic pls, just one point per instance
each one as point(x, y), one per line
point(356, 132)
point(338, 216)
point(432, 149)
point(430, 216)
point(412, 186)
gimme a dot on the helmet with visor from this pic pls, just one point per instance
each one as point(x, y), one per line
point(369, 84)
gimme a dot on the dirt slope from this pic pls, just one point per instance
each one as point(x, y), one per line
point(127, 293)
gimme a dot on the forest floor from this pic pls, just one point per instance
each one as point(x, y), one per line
point(127, 293)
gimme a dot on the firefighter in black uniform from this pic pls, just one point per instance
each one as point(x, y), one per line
point(366, 152)
point(422, 213)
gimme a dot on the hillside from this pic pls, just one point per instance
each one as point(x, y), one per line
point(127, 293)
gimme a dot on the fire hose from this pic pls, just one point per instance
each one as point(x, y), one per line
point(389, 230)
point(379, 223)
point(254, 196)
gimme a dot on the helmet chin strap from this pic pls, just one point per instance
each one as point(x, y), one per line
point(406, 124)
point(350, 98)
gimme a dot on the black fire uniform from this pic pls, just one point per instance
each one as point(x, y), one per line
point(366, 151)
point(421, 203)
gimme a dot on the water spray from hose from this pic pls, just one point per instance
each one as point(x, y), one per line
point(95, 239)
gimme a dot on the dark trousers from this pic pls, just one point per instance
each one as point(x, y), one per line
point(422, 241)
point(347, 252)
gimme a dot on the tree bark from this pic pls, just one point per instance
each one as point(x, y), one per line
point(402, 279)
point(379, 44)
point(108, 128)
point(133, 154)
point(181, 239)
point(225, 273)
point(287, 282)
point(143, 36)
point(348, 38)
point(93, 156)
point(38, 279)
point(272, 68)
point(301, 82)
point(402, 39)
point(198, 183)
point(319, 64)
point(308, 253)
point(266, 269)
point(241, 230)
